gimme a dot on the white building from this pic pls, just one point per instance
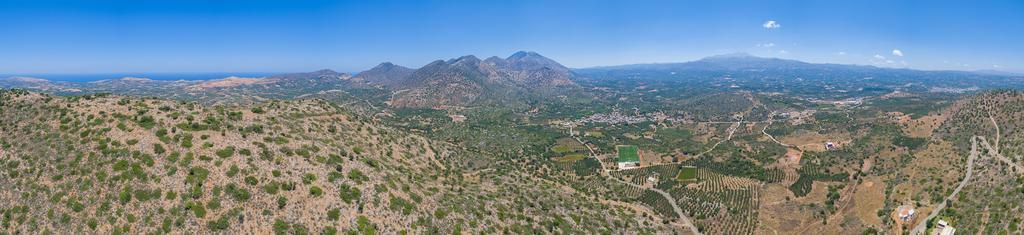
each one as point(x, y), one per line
point(943, 228)
point(628, 165)
point(830, 146)
point(906, 212)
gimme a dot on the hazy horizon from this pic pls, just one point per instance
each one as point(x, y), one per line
point(196, 36)
point(196, 76)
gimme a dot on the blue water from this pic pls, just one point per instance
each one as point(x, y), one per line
point(154, 76)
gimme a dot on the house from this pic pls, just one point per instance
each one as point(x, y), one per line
point(457, 118)
point(906, 212)
point(830, 146)
point(629, 156)
point(653, 178)
point(944, 229)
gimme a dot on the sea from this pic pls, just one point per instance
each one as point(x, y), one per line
point(154, 76)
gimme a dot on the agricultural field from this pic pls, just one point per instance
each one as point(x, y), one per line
point(687, 174)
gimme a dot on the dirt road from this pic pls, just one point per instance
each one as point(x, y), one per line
point(921, 226)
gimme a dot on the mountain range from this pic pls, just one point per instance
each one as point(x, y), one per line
point(469, 81)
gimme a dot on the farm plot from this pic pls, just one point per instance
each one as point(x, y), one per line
point(720, 204)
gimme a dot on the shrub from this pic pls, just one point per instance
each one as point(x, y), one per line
point(271, 187)
point(357, 176)
point(316, 191)
point(186, 141)
point(251, 180)
point(197, 209)
point(330, 230)
point(125, 196)
point(348, 193)
point(364, 225)
point(308, 178)
point(334, 214)
point(226, 152)
point(218, 224)
point(213, 204)
point(158, 149)
point(239, 194)
point(281, 202)
point(299, 229)
point(232, 171)
point(399, 204)
point(280, 227)
point(145, 122)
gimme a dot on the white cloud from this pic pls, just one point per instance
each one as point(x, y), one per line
point(903, 62)
point(995, 66)
point(771, 24)
point(841, 53)
point(783, 52)
point(897, 52)
point(880, 60)
point(765, 45)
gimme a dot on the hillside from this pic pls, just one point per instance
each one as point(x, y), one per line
point(114, 164)
point(988, 122)
point(730, 144)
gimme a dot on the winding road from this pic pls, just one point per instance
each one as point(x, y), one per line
point(994, 152)
point(686, 222)
point(921, 226)
point(765, 131)
point(732, 129)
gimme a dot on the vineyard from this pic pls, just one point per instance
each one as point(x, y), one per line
point(659, 203)
point(586, 167)
point(718, 203)
point(639, 175)
point(809, 174)
point(568, 147)
point(720, 197)
point(583, 175)
point(740, 168)
point(687, 174)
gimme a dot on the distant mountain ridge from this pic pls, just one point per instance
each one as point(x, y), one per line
point(745, 61)
point(464, 80)
point(468, 81)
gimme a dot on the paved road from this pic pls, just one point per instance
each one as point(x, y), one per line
point(921, 226)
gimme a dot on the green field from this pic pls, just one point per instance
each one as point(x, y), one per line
point(628, 153)
point(570, 157)
point(687, 173)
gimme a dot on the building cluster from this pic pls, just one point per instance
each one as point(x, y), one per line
point(613, 118)
point(619, 118)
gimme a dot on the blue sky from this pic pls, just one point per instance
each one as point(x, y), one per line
point(285, 36)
